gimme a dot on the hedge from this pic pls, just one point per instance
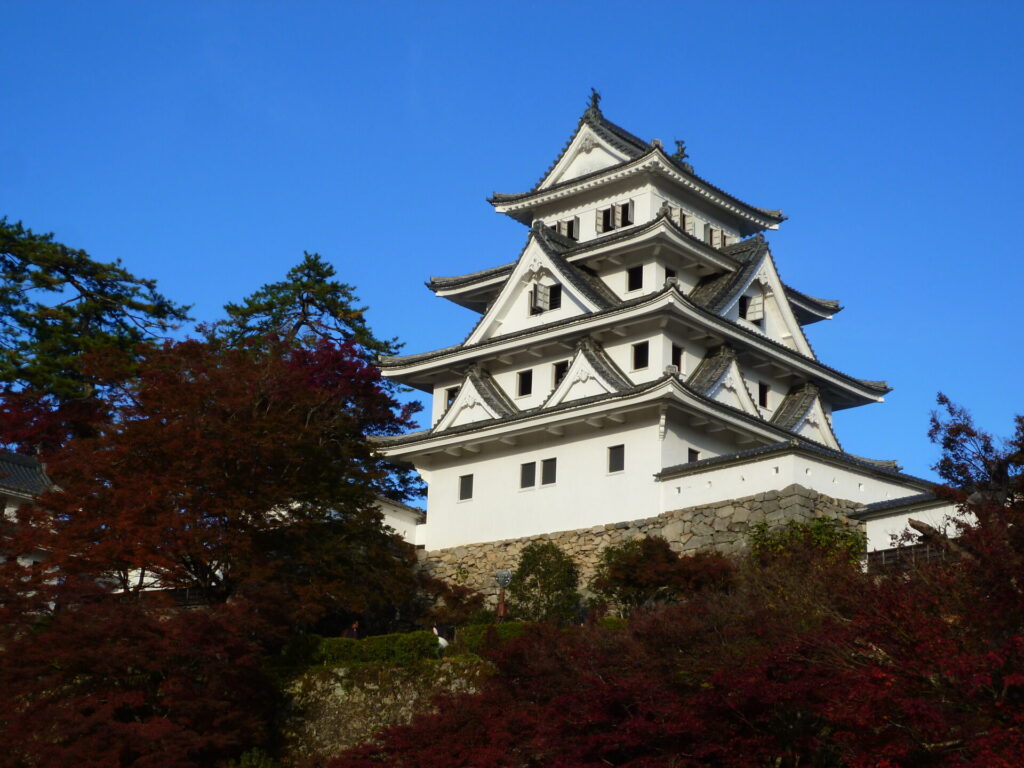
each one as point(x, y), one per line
point(472, 638)
point(399, 649)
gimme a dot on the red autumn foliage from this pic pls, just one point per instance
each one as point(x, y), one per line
point(241, 474)
point(806, 661)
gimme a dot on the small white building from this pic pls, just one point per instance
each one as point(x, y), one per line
point(641, 354)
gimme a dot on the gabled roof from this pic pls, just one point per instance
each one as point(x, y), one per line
point(635, 149)
point(577, 275)
point(795, 406)
point(478, 386)
point(589, 369)
point(711, 369)
point(22, 475)
point(714, 292)
point(810, 309)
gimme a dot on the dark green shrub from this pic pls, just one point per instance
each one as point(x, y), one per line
point(614, 623)
point(473, 638)
point(398, 649)
point(822, 536)
point(644, 571)
point(545, 585)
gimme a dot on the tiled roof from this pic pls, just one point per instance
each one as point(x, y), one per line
point(634, 148)
point(795, 406)
point(581, 278)
point(714, 292)
point(890, 505)
point(885, 468)
point(603, 365)
point(824, 306)
point(490, 392)
point(711, 369)
point(22, 474)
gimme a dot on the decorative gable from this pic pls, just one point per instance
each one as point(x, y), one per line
point(718, 378)
point(816, 426)
point(479, 399)
point(587, 152)
point(591, 372)
point(525, 299)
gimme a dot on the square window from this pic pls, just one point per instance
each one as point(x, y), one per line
point(528, 474)
point(607, 220)
point(641, 355)
point(465, 487)
point(744, 306)
point(547, 472)
point(625, 214)
point(762, 394)
point(635, 278)
point(616, 458)
point(525, 383)
point(450, 394)
point(693, 455)
point(560, 369)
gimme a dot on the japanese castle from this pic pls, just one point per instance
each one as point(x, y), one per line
point(640, 355)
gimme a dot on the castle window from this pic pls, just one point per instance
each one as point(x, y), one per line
point(744, 306)
point(692, 455)
point(525, 383)
point(614, 216)
point(635, 278)
point(569, 227)
point(751, 308)
point(616, 458)
point(465, 487)
point(547, 471)
point(762, 394)
point(677, 357)
point(545, 297)
point(560, 369)
point(449, 395)
point(528, 474)
point(707, 233)
point(641, 355)
point(669, 273)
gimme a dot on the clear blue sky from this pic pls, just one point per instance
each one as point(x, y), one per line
point(207, 144)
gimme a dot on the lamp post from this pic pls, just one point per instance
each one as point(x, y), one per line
point(504, 578)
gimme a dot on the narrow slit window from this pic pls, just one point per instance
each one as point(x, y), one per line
point(607, 220)
point(525, 383)
point(616, 458)
point(465, 487)
point(554, 297)
point(548, 471)
point(635, 278)
point(762, 394)
point(692, 455)
point(626, 214)
point(707, 234)
point(744, 307)
point(560, 369)
point(528, 474)
point(669, 273)
point(641, 355)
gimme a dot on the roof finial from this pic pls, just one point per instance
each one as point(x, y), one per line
point(680, 156)
point(595, 102)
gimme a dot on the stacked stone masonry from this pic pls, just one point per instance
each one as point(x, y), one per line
point(722, 526)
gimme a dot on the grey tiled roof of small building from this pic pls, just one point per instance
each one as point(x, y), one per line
point(22, 474)
point(711, 369)
point(795, 406)
point(886, 468)
point(889, 505)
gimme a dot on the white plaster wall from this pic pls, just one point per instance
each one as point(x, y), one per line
point(680, 437)
point(659, 195)
point(775, 473)
point(400, 519)
point(881, 532)
point(584, 495)
point(587, 207)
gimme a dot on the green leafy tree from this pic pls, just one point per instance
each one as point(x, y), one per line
point(545, 584)
point(58, 304)
point(308, 305)
point(822, 534)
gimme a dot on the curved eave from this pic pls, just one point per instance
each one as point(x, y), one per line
point(412, 368)
point(473, 290)
point(520, 206)
point(809, 309)
point(667, 387)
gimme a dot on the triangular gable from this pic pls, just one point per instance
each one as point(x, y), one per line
point(587, 152)
point(591, 372)
point(767, 275)
point(539, 264)
point(815, 426)
point(731, 389)
point(479, 399)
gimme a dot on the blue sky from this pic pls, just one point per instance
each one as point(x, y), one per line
point(207, 144)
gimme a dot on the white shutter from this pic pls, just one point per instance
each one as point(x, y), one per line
point(617, 214)
point(542, 297)
point(716, 238)
point(629, 212)
point(599, 221)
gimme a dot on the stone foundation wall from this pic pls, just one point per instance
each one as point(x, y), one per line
point(721, 526)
